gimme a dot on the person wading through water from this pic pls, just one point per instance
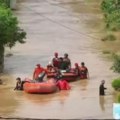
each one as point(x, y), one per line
point(102, 88)
point(18, 84)
point(76, 70)
point(84, 74)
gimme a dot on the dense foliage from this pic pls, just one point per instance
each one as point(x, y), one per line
point(5, 2)
point(116, 84)
point(111, 9)
point(10, 32)
point(116, 64)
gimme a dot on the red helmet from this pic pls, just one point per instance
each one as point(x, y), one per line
point(56, 54)
point(76, 64)
point(38, 65)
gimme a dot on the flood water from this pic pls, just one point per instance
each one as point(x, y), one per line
point(63, 26)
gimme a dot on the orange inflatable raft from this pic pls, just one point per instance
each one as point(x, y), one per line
point(43, 87)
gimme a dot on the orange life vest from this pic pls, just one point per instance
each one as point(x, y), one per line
point(83, 72)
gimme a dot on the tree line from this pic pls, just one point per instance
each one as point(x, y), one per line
point(10, 32)
point(111, 12)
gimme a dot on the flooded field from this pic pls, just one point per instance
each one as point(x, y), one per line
point(62, 26)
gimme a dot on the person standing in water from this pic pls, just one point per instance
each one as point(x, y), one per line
point(18, 84)
point(77, 69)
point(102, 88)
point(84, 74)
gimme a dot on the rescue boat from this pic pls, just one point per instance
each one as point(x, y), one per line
point(69, 76)
point(40, 87)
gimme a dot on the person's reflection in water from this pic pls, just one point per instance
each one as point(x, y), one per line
point(83, 84)
point(102, 102)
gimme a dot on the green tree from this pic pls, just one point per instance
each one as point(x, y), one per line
point(116, 84)
point(10, 32)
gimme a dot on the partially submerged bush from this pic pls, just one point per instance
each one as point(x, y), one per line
point(109, 37)
point(108, 6)
point(118, 98)
point(106, 52)
point(116, 65)
point(116, 84)
point(113, 21)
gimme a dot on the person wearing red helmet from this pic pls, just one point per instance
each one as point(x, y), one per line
point(38, 72)
point(76, 69)
point(56, 60)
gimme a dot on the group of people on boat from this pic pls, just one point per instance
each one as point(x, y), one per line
point(64, 63)
point(81, 71)
point(57, 65)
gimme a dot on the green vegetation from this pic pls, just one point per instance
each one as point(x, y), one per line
point(116, 84)
point(118, 98)
point(109, 37)
point(116, 64)
point(10, 32)
point(5, 3)
point(111, 9)
point(106, 52)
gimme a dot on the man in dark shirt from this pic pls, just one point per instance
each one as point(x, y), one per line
point(66, 62)
point(102, 88)
point(18, 84)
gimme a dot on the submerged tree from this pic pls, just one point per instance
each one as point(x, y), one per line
point(116, 65)
point(10, 32)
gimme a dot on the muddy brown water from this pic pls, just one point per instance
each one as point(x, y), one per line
point(72, 27)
